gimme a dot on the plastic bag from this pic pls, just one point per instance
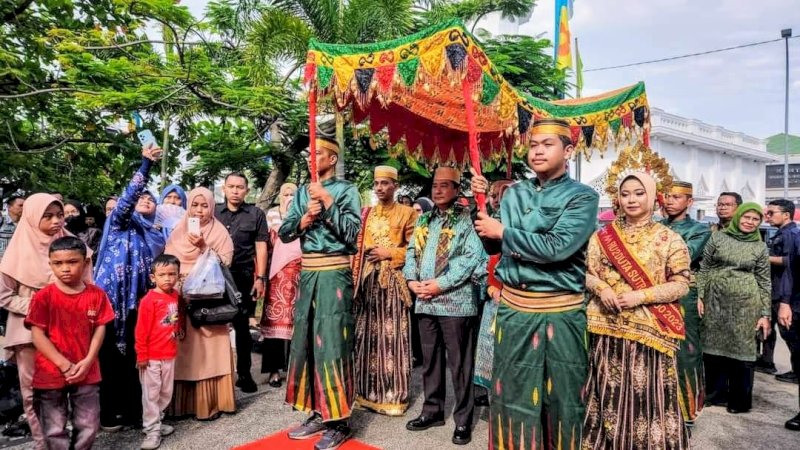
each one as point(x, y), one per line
point(206, 279)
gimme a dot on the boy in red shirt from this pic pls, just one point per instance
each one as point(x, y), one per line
point(157, 331)
point(68, 321)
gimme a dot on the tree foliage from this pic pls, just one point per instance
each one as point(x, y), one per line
point(73, 71)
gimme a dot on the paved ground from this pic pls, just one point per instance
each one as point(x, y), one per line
point(263, 413)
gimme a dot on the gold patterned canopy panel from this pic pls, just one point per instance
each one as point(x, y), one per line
point(416, 88)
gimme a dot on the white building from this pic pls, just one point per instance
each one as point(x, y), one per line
point(710, 157)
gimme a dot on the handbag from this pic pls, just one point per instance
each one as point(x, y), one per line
point(218, 310)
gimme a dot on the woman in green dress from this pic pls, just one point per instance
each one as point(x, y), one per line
point(734, 293)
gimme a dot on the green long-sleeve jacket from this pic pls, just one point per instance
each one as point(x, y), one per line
point(694, 233)
point(546, 231)
point(734, 283)
point(335, 231)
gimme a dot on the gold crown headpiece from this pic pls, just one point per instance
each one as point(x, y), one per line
point(639, 158)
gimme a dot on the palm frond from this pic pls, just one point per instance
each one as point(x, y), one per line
point(278, 34)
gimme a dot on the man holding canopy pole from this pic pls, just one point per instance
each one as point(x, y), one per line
point(325, 216)
point(540, 354)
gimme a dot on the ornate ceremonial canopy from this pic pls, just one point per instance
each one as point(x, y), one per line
point(431, 89)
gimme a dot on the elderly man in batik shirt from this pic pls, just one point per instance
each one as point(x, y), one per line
point(325, 217)
point(382, 300)
point(442, 259)
point(540, 354)
point(691, 377)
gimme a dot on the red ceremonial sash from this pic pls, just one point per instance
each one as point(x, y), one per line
point(668, 315)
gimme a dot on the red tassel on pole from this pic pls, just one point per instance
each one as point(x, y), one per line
point(312, 133)
point(474, 156)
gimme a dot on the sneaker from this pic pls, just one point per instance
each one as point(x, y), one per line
point(310, 428)
point(788, 377)
point(166, 430)
point(333, 437)
point(151, 442)
point(247, 385)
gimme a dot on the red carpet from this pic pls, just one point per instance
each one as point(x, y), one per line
point(281, 441)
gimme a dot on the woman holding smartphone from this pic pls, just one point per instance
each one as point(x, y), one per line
point(735, 294)
point(130, 243)
point(204, 366)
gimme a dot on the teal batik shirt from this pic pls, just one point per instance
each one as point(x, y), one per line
point(546, 231)
point(335, 231)
point(458, 266)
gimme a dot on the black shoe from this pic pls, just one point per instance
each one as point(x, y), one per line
point(247, 385)
point(736, 411)
point(424, 422)
point(462, 435)
point(276, 383)
point(482, 400)
point(767, 368)
point(793, 423)
point(788, 377)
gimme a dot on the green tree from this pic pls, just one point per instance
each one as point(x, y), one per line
point(71, 71)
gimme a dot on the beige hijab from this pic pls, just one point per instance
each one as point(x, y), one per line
point(27, 257)
point(213, 231)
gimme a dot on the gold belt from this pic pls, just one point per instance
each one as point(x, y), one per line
point(540, 302)
point(321, 261)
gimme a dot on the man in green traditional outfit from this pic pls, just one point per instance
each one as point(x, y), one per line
point(326, 217)
point(691, 374)
point(540, 354)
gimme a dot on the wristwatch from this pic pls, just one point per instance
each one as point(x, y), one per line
point(263, 278)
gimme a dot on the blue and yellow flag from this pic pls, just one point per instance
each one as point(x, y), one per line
point(563, 54)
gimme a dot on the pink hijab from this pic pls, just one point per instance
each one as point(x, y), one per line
point(27, 257)
point(214, 233)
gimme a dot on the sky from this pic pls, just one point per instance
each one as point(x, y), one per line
point(741, 90)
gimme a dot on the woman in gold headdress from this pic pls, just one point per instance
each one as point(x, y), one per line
point(637, 270)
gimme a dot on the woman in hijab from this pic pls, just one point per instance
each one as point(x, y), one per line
point(277, 319)
point(171, 208)
point(173, 195)
point(25, 269)
point(422, 205)
point(734, 298)
point(637, 271)
point(204, 365)
point(76, 224)
point(130, 244)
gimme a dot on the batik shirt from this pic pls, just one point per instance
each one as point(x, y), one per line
point(446, 248)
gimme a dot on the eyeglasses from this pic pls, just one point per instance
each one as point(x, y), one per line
point(726, 205)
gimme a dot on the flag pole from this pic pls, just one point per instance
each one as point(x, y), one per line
point(578, 87)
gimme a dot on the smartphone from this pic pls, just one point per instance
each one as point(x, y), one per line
point(194, 226)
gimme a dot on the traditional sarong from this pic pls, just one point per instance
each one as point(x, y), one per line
point(382, 346)
point(691, 373)
point(320, 374)
point(540, 365)
point(484, 352)
point(277, 321)
point(632, 398)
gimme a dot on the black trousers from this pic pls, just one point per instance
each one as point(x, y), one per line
point(274, 355)
point(729, 381)
point(241, 323)
point(794, 347)
point(789, 335)
point(451, 339)
point(416, 345)
point(120, 390)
